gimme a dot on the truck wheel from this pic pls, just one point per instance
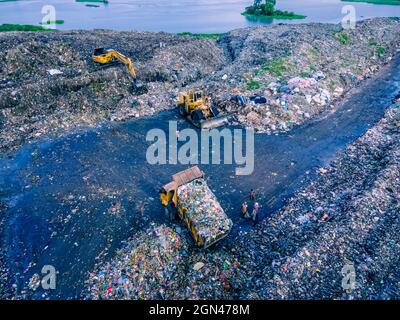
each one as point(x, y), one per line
point(171, 213)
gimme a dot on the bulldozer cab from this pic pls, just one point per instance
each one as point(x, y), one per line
point(195, 96)
point(192, 97)
point(199, 109)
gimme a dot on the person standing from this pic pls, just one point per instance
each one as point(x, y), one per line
point(245, 213)
point(252, 195)
point(255, 213)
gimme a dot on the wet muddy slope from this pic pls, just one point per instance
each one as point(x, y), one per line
point(71, 201)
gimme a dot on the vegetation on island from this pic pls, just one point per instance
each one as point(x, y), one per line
point(202, 35)
point(267, 9)
point(98, 1)
point(21, 27)
point(52, 22)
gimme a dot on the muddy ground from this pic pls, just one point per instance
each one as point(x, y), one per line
point(300, 69)
point(346, 217)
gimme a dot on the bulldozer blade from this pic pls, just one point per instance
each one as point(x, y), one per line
point(214, 122)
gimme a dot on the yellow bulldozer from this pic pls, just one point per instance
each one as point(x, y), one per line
point(199, 110)
point(110, 57)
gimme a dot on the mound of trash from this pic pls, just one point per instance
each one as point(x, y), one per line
point(339, 238)
point(145, 268)
point(300, 70)
point(48, 82)
point(214, 274)
point(162, 264)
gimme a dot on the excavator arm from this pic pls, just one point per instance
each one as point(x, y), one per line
point(103, 56)
point(125, 60)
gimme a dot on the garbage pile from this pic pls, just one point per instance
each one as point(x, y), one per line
point(5, 290)
point(287, 102)
point(146, 267)
point(49, 83)
point(214, 274)
point(204, 211)
point(160, 264)
point(278, 107)
point(347, 219)
point(297, 71)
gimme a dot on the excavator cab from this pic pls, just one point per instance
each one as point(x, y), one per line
point(99, 51)
point(110, 57)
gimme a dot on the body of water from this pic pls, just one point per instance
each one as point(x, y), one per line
point(200, 16)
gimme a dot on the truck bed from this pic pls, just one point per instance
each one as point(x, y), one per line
point(203, 211)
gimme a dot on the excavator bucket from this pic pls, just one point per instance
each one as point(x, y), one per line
point(214, 122)
point(139, 87)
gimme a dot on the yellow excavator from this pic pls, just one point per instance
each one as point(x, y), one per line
point(111, 56)
point(199, 110)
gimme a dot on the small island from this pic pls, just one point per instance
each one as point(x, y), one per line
point(267, 9)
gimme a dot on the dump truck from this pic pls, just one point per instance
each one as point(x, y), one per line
point(197, 206)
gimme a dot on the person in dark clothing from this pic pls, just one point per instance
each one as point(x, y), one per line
point(252, 195)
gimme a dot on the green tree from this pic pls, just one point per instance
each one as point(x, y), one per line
point(259, 8)
point(268, 9)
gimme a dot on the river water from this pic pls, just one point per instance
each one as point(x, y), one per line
point(199, 16)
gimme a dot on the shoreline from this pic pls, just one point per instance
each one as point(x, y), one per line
point(277, 17)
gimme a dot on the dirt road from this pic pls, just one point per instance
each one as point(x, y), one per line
point(71, 201)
